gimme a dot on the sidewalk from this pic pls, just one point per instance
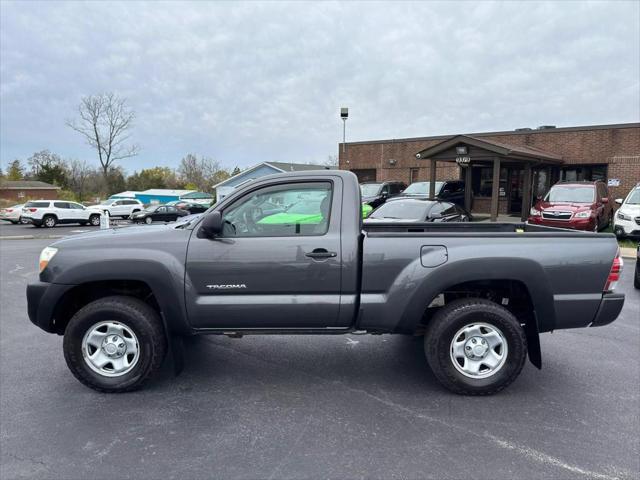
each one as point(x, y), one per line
point(627, 252)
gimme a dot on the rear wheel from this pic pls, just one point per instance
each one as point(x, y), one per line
point(115, 344)
point(49, 221)
point(475, 347)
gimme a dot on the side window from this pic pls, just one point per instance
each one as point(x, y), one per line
point(385, 190)
point(449, 209)
point(437, 209)
point(395, 188)
point(60, 204)
point(161, 210)
point(281, 211)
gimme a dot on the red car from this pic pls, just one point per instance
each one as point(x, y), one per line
point(577, 205)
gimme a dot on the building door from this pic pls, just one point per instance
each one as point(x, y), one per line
point(413, 175)
point(365, 174)
point(516, 184)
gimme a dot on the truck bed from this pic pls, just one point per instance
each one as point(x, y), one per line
point(471, 229)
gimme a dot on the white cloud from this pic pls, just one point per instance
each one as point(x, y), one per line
point(252, 81)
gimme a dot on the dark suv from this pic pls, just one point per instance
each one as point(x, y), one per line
point(576, 205)
point(376, 193)
point(449, 190)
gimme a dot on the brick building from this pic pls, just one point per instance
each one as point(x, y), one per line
point(22, 190)
point(529, 161)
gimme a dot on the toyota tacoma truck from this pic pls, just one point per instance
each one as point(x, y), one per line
point(479, 293)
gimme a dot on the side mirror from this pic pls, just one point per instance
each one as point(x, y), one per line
point(212, 224)
point(619, 201)
point(605, 200)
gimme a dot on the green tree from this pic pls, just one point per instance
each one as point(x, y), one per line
point(15, 171)
point(156, 177)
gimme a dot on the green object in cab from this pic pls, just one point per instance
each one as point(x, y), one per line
point(366, 210)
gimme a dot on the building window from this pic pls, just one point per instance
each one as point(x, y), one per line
point(482, 181)
point(414, 173)
point(588, 173)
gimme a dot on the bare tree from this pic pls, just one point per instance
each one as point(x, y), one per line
point(79, 173)
point(105, 121)
point(201, 172)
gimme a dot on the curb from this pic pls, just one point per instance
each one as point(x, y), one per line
point(31, 237)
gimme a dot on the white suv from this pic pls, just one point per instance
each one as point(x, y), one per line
point(49, 213)
point(627, 220)
point(119, 207)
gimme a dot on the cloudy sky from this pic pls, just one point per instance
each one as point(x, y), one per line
point(249, 82)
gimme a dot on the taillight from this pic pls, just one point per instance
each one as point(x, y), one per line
point(9, 210)
point(614, 273)
point(33, 209)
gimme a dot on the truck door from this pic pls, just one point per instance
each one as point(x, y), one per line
point(277, 263)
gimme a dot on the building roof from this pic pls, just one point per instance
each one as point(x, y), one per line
point(280, 167)
point(500, 148)
point(166, 192)
point(26, 185)
point(519, 131)
point(127, 194)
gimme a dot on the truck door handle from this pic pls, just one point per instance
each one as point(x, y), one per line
point(321, 253)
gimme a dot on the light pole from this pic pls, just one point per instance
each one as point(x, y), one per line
point(344, 114)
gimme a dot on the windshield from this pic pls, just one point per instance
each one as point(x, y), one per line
point(370, 189)
point(421, 188)
point(633, 198)
point(570, 194)
point(410, 210)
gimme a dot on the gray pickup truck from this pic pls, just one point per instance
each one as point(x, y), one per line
point(290, 254)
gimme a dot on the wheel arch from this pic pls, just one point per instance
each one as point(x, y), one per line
point(498, 274)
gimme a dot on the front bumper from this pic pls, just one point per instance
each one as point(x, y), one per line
point(587, 224)
point(626, 228)
point(42, 299)
point(610, 308)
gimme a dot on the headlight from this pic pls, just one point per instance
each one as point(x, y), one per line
point(534, 212)
point(46, 256)
point(623, 216)
point(585, 214)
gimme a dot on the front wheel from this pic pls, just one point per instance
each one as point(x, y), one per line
point(148, 220)
point(115, 344)
point(475, 347)
point(94, 220)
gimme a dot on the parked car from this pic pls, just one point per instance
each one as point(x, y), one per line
point(49, 213)
point(191, 207)
point(418, 210)
point(119, 207)
point(158, 213)
point(12, 214)
point(482, 293)
point(448, 190)
point(376, 193)
point(575, 205)
point(626, 222)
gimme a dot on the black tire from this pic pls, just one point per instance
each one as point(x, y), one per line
point(49, 221)
point(454, 316)
point(148, 220)
point(137, 316)
point(94, 220)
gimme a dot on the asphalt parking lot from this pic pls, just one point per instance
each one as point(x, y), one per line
point(316, 407)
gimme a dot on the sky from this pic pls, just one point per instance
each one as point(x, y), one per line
point(251, 82)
